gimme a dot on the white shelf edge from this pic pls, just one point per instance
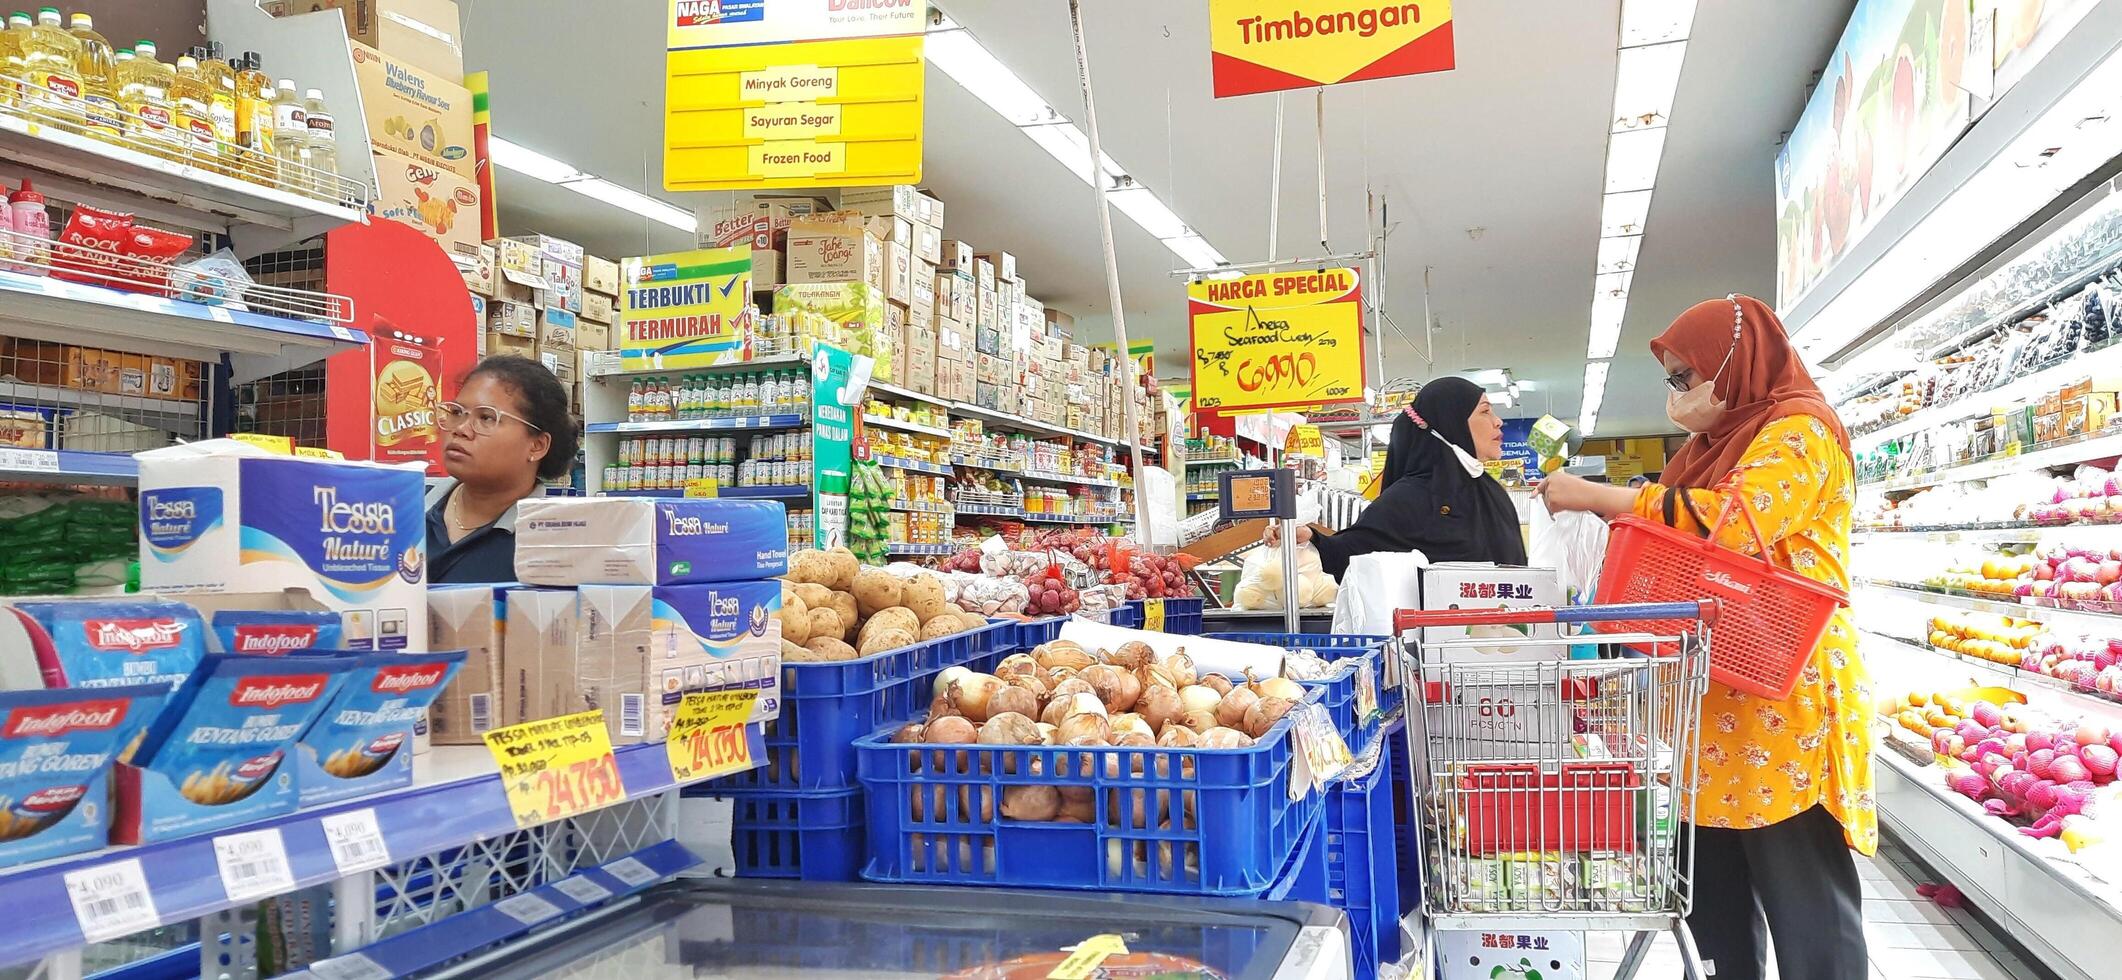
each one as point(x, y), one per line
point(2097, 447)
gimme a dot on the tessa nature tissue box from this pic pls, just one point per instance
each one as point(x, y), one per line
point(563, 541)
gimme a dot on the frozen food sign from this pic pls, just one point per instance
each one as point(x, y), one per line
point(1271, 45)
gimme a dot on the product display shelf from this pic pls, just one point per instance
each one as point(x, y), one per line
point(911, 465)
point(44, 308)
point(887, 422)
point(1073, 519)
point(1197, 496)
point(609, 364)
point(1997, 532)
point(1071, 480)
point(1001, 467)
point(2107, 445)
point(888, 390)
point(62, 466)
point(918, 548)
point(456, 799)
point(2092, 620)
point(922, 507)
point(989, 510)
point(744, 423)
point(797, 492)
point(1983, 672)
point(1019, 423)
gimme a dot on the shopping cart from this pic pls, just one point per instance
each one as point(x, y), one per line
point(1556, 795)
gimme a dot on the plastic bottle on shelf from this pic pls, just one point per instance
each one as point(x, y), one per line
point(33, 231)
point(291, 136)
point(144, 84)
point(192, 114)
point(254, 118)
point(7, 230)
point(13, 35)
point(97, 65)
point(51, 77)
point(323, 144)
point(635, 396)
point(220, 80)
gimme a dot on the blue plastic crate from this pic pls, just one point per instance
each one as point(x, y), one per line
point(1335, 647)
point(1033, 632)
point(1169, 820)
point(1182, 617)
point(1129, 616)
point(1303, 879)
point(1407, 847)
point(1362, 865)
point(810, 836)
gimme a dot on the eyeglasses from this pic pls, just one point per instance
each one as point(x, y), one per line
point(485, 419)
point(1677, 380)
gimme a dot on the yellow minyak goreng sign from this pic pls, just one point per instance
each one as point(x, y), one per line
point(1271, 45)
point(763, 94)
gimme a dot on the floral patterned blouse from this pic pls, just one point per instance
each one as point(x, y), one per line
point(1763, 761)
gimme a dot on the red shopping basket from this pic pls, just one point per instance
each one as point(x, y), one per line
point(1772, 618)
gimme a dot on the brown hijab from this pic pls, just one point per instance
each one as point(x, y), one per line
point(1763, 382)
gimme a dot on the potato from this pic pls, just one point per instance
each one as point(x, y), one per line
point(794, 651)
point(810, 567)
point(924, 595)
point(844, 604)
point(896, 618)
point(886, 639)
point(794, 617)
point(825, 624)
point(845, 566)
point(876, 589)
point(814, 596)
point(826, 648)
point(942, 626)
point(972, 621)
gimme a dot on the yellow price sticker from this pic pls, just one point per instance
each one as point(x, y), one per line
point(703, 487)
point(272, 444)
point(1084, 960)
point(1153, 615)
point(556, 767)
point(707, 737)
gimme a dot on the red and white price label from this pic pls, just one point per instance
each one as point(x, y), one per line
point(527, 908)
point(356, 841)
point(352, 966)
point(253, 864)
point(582, 890)
point(631, 871)
point(111, 900)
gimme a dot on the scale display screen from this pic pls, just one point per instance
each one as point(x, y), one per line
point(1252, 494)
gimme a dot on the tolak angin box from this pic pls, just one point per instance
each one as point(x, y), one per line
point(564, 541)
point(225, 516)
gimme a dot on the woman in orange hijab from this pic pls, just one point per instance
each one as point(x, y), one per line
point(1785, 787)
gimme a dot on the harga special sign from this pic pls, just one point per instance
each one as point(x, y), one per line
point(1272, 45)
point(1277, 340)
point(685, 309)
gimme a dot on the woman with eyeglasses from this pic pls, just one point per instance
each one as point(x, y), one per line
point(507, 431)
point(1784, 787)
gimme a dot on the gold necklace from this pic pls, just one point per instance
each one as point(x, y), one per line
point(452, 518)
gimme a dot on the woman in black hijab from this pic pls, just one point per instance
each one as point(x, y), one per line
point(1434, 497)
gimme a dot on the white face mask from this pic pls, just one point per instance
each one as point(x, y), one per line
point(1696, 409)
point(1467, 461)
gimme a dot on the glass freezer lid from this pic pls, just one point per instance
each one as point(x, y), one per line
point(764, 930)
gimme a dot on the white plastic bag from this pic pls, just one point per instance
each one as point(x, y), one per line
point(1260, 587)
point(1373, 587)
point(1573, 543)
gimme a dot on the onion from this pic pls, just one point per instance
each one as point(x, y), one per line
point(1135, 739)
point(941, 708)
point(969, 694)
point(1078, 805)
point(1230, 712)
point(1061, 709)
point(1131, 688)
point(1046, 735)
point(1054, 655)
point(1156, 675)
point(1225, 738)
point(1182, 668)
point(1264, 713)
point(950, 730)
point(1105, 680)
point(949, 676)
point(1178, 737)
point(1028, 682)
point(1131, 722)
point(1084, 723)
point(1036, 803)
point(1011, 699)
point(909, 732)
point(1217, 683)
point(1132, 655)
point(1160, 706)
point(1199, 697)
point(1014, 665)
point(1199, 721)
point(1009, 728)
point(1279, 687)
point(1071, 687)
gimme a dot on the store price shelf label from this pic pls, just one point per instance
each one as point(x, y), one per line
point(1083, 961)
point(527, 908)
point(1367, 688)
point(111, 900)
point(1321, 754)
point(356, 840)
point(352, 966)
point(556, 767)
point(707, 737)
point(631, 871)
point(29, 460)
point(253, 864)
point(703, 487)
point(1153, 615)
point(582, 890)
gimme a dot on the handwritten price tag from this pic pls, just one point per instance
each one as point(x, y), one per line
point(556, 767)
point(1153, 615)
point(703, 487)
point(707, 737)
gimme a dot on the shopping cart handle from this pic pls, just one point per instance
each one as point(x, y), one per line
point(1702, 609)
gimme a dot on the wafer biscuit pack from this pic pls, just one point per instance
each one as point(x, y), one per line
point(217, 754)
point(55, 761)
point(362, 742)
point(227, 516)
point(635, 541)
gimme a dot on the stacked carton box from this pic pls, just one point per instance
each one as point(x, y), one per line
point(420, 130)
point(908, 225)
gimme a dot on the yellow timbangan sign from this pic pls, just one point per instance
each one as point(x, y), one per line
point(1277, 340)
point(1272, 45)
point(760, 96)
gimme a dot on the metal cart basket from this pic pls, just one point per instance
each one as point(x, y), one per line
point(1555, 794)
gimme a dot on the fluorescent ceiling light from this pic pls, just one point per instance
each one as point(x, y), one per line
point(1503, 398)
point(958, 54)
point(1655, 21)
point(1624, 213)
point(1594, 388)
point(1587, 422)
point(1196, 252)
point(1141, 204)
point(1618, 253)
point(1645, 80)
point(1488, 376)
point(638, 203)
point(1608, 309)
point(1632, 159)
point(530, 163)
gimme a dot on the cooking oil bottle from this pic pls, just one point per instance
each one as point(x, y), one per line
point(192, 106)
point(144, 84)
point(254, 118)
point(52, 83)
point(221, 88)
point(323, 144)
point(291, 135)
point(99, 88)
point(12, 66)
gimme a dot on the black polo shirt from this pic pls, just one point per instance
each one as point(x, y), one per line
point(486, 554)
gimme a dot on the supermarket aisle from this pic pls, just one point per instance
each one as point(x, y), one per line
point(1911, 937)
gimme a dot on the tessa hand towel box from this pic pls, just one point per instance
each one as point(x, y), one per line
point(562, 541)
point(225, 516)
point(643, 648)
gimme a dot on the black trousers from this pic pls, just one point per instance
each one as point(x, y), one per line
point(1793, 882)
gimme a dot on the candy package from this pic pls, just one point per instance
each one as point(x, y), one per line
point(151, 251)
point(89, 247)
